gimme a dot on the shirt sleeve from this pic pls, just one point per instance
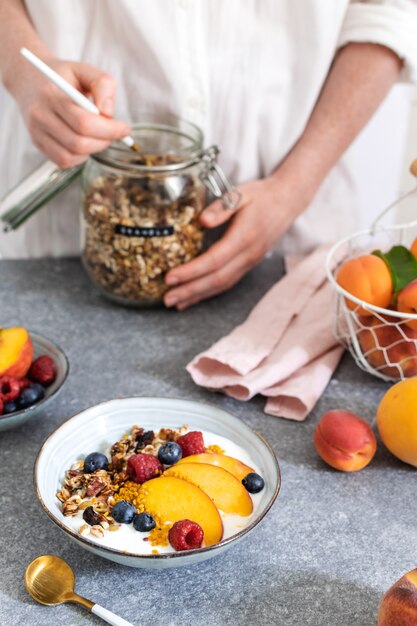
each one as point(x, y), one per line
point(390, 23)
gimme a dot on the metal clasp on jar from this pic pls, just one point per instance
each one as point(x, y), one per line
point(216, 180)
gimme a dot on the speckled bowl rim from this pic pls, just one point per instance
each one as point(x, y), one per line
point(35, 407)
point(174, 555)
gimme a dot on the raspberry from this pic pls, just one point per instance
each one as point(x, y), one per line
point(143, 467)
point(191, 443)
point(9, 389)
point(43, 370)
point(24, 383)
point(185, 535)
point(1, 406)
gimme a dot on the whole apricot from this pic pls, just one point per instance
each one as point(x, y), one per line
point(368, 278)
point(397, 422)
point(387, 348)
point(399, 604)
point(344, 441)
point(407, 302)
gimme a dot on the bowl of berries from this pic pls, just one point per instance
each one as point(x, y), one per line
point(33, 370)
point(156, 482)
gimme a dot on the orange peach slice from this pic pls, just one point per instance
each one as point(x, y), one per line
point(172, 499)
point(16, 352)
point(226, 491)
point(229, 463)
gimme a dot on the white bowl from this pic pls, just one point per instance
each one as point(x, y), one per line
point(41, 345)
point(99, 426)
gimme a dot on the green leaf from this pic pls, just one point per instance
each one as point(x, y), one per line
point(402, 265)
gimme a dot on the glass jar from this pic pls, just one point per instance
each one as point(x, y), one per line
point(140, 211)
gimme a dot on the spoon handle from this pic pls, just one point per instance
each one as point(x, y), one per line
point(109, 617)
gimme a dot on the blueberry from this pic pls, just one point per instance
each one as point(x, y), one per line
point(31, 395)
point(144, 522)
point(170, 453)
point(253, 482)
point(10, 407)
point(123, 512)
point(95, 461)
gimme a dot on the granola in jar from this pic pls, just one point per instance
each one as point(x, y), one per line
point(137, 228)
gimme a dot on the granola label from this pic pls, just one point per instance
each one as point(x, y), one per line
point(143, 231)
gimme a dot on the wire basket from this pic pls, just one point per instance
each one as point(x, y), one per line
point(381, 342)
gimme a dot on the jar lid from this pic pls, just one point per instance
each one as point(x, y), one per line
point(33, 192)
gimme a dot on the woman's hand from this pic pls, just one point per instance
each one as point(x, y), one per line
point(266, 210)
point(63, 131)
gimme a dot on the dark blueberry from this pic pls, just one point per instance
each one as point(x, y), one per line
point(123, 512)
point(144, 522)
point(253, 482)
point(10, 407)
point(95, 461)
point(144, 440)
point(169, 453)
point(31, 395)
point(90, 516)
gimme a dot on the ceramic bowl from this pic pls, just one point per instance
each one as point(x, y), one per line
point(41, 345)
point(99, 426)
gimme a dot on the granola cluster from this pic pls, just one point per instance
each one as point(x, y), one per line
point(96, 493)
point(138, 228)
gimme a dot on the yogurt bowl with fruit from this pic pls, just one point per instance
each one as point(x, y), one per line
point(33, 370)
point(156, 482)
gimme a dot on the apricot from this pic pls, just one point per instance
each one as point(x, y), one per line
point(173, 499)
point(229, 463)
point(399, 604)
point(344, 441)
point(387, 348)
point(226, 491)
point(368, 278)
point(16, 352)
point(396, 420)
point(407, 302)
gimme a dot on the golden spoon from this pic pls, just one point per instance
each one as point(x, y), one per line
point(50, 580)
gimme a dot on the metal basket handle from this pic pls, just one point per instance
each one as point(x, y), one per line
point(374, 225)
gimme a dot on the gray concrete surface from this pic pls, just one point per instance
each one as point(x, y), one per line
point(323, 556)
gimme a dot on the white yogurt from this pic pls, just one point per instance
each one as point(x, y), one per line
point(127, 539)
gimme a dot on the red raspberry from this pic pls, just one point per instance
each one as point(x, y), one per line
point(24, 383)
point(143, 467)
point(9, 389)
point(185, 535)
point(43, 370)
point(191, 443)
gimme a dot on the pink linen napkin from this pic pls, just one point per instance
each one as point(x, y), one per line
point(284, 350)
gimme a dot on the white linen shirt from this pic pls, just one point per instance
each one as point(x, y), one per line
point(248, 72)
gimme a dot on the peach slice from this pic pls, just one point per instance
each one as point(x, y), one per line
point(16, 352)
point(172, 499)
point(229, 463)
point(226, 491)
